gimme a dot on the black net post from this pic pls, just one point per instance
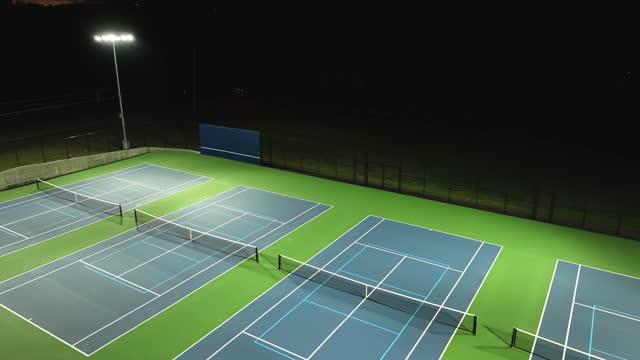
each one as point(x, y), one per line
point(475, 325)
point(279, 262)
point(38, 184)
point(135, 216)
point(120, 208)
point(513, 337)
point(257, 256)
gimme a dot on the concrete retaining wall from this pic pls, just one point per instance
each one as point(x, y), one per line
point(28, 174)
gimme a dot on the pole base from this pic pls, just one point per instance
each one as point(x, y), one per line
point(125, 144)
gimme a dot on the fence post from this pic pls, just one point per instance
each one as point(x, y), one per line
point(67, 144)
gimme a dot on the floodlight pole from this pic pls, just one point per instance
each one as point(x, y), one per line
point(125, 142)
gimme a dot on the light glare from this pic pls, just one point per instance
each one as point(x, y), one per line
point(110, 37)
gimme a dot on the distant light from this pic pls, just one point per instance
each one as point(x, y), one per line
point(110, 37)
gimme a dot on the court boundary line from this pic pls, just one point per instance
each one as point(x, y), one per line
point(610, 311)
point(97, 252)
point(207, 268)
point(440, 231)
point(182, 171)
point(289, 294)
point(12, 232)
point(544, 307)
point(573, 303)
point(356, 308)
point(469, 262)
point(286, 195)
point(486, 275)
point(252, 214)
point(136, 183)
point(264, 292)
point(118, 277)
point(44, 330)
point(274, 345)
point(98, 219)
point(95, 180)
point(607, 271)
point(163, 249)
point(65, 266)
point(375, 247)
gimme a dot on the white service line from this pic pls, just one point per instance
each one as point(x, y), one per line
point(299, 286)
point(118, 277)
point(274, 345)
point(408, 257)
point(444, 302)
point(189, 278)
point(136, 183)
point(12, 232)
point(288, 196)
point(55, 209)
point(250, 213)
point(356, 308)
point(603, 270)
point(179, 246)
point(595, 307)
point(573, 303)
point(544, 307)
point(107, 248)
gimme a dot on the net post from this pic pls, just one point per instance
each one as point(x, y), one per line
point(135, 215)
point(38, 183)
point(257, 256)
point(475, 325)
point(513, 337)
point(120, 208)
point(279, 262)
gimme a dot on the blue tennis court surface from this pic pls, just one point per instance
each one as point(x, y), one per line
point(35, 218)
point(589, 314)
point(92, 297)
point(303, 319)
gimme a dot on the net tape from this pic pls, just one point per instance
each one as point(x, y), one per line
point(90, 202)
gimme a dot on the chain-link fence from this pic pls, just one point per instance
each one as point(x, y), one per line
point(586, 207)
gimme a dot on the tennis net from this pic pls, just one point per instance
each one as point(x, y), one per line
point(407, 304)
point(546, 348)
point(89, 202)
point(171, 231)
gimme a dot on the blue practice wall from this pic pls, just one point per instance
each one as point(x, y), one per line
point(230, 143)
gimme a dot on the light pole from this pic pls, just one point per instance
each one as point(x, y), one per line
point(113, 39)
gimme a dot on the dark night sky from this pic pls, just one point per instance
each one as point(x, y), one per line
point(535, 70)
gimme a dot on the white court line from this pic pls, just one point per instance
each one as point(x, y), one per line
point(136, 183)
point(356, 308)
point(71, 186)
point(189, 278)
point(44, 330)
point(573, 302)
point(179, 246)
point(264, 292)
point(608, 312)
point(408, 256)
point(163, 249)
point(439, 231)
point(486, 275)
point(182, 171)
point(55, 209)
point(294, 290)
point(66, 206)
point(288, 196)
point(98, 252)
point(97, 219)
point(12, 232)
point(544, 308)
point(444, 301)
point(118, 277)
point(230, 152)
point(250, 213)
point(607, 271)
point(274, 345)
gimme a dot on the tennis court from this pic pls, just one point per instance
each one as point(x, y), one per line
point(92, 297)
point(589, 314)
point(383, 290)
point(57, 210)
